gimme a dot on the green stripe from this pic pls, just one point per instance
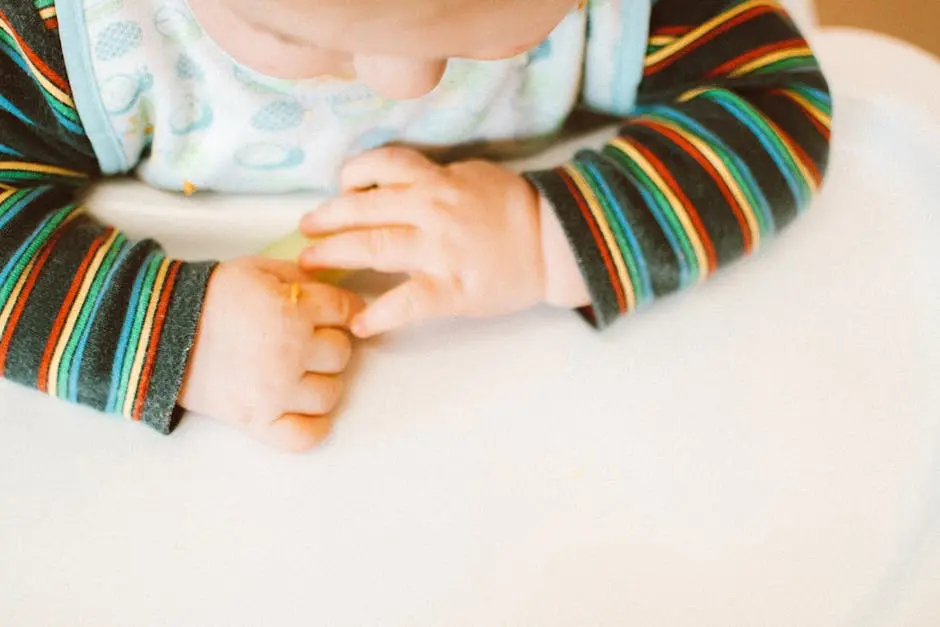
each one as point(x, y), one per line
point(625, 250)
point(88, 307)
point(812, 95)
point(769, 136)
point(146, 291)
point(61, 107)
point(13, 200)
point(9, 176)
point(39, 238)
point(665, 208)
point(766, 227)
point(784, 65)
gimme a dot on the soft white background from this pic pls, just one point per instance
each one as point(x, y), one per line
point(764, 450)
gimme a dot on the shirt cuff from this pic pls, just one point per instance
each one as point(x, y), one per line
point(584, 233)
point(173, 347)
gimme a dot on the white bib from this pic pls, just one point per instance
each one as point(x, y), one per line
point(156, 94)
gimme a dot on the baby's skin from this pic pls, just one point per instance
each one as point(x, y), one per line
point(475, 238)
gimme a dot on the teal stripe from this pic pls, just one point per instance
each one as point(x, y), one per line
point(119, 354)
point(17, 202)
point(121, 243)
point(664, 214)
point(14, 268)
point(87, 307)
point(736, 165)
point(769, 139)
point(626, 242)
point(143, 302)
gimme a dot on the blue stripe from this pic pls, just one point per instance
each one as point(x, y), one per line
point(735, 106)
point(17, 257)
point(69, 125)
point(6, 150)
point(695, 127)
point(120, 355)
point(638, 256)
point(18, 206)
point(86, 332)
point(15, 56)
point(685, 270)
point(9, 107)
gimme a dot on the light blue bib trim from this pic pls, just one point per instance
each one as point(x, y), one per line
point(75, 48)
point(615, 54)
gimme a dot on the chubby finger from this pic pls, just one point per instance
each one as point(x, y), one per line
point(329, 352)
point(413, 301)
point(296, 433)
point(315, 395)
point(327, 305)
point(385, 249)
point(388, 166)
point(381, 206)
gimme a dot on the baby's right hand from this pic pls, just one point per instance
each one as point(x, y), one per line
point(265, 363)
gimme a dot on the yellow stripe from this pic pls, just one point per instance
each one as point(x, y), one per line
point(722, 168)
point(662, 40)
point(694, 93)
point(800, 164)
point(7, 192)
point(673, 200)
point(767, 59)
point(69, 326)
point(40, 168)
point(15, 296)
point(812, 109)
point(144, 341)
point(776, 130)
point(47, 12)
point(702, 30)
point(623, 274)
point(60, 95)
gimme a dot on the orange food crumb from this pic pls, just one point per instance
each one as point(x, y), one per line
point(188, 188)
point(294, 293)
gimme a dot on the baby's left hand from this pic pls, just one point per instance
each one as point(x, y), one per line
point(467, 234)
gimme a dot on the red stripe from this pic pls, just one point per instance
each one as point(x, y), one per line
point(733, 64)
point(24, 297)
point(805, 158)
point(663, 171)
point(158, 323)
point(57, 80)
point(712, 34)
point(52, 23)
point(696, 154)
point(822, 128)
point(670, 31)
point(46, 362)
point(598, 239)
point(800, 152)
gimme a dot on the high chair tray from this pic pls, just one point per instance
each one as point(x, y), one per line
point(763, 450)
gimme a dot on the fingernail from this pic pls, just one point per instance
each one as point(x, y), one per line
point(359, 328)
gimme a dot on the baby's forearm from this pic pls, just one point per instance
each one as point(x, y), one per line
point(729, 142)
point(564, 283)
point(85, 314)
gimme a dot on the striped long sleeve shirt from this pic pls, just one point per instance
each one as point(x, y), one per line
point(728, 142)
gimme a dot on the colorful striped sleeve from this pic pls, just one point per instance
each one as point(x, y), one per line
point(728, 143)
point(86, 315)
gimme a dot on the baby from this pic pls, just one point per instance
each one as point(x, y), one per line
point(724, 140)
